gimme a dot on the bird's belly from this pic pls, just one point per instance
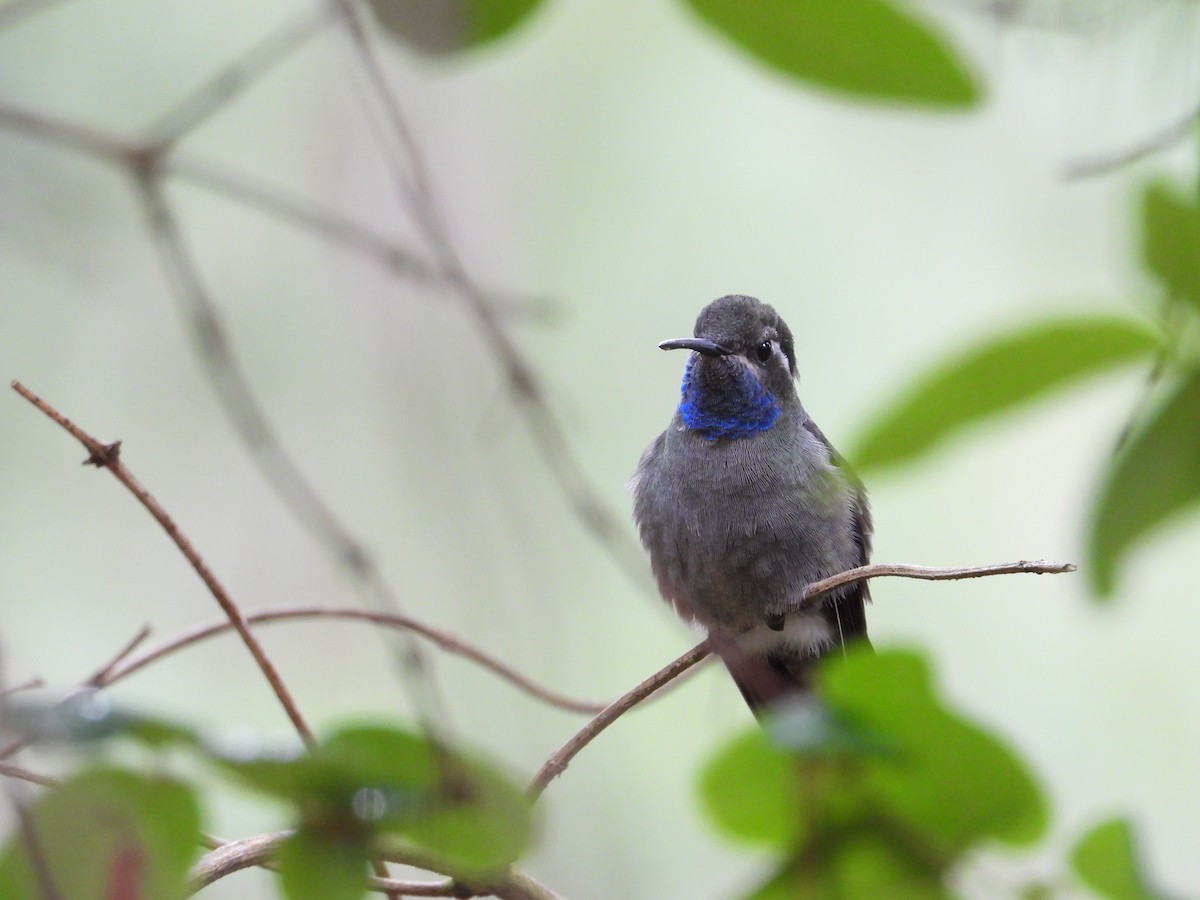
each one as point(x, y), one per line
point(739, 559)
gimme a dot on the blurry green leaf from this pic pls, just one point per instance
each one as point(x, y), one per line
point(908, 772)
point(995, 377)
point(1155, 475)
point(749, 790)
point(865, 866)
point(107, 833)
point(1171, 240)
point(867, 48)
point(953, 784)
point(447, 26)
point(874, 864)
point(1106, 862)
point(320, 866)
point(461, 812)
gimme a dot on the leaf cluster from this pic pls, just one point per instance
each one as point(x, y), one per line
point(1155, 473)
point(364, 792)
point(876, 788)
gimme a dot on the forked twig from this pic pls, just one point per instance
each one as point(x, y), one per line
point(108, 456)
point(101, 676)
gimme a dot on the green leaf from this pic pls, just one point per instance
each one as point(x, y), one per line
point(953, 783)
point(1154, 477)
point(1171, 240)
point(864, 48)
point(995, 377)
point(1106, 861)
point(439, 27)
point(321, 866)
point(864, 865)
point(107, 833)
point(464, 816)
point(901, 769)
point(748, 789)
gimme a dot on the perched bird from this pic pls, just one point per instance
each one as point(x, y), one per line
point(742, 502)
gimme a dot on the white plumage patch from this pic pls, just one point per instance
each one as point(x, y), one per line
point(806, 633)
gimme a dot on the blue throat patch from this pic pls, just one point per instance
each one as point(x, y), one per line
point(741, 410)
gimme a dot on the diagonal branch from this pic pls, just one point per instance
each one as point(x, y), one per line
point(561, 758)
point(1161, 140)
point(608, 529)
point(107, 456)
point(304, 213)
point(267, 450)
point(557, 763)
point(14, 11)
point(227, 82)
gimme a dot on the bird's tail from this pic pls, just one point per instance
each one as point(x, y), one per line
point(765, 679)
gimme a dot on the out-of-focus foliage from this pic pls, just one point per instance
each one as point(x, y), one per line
point(372, 782)
point(873, 786)
point(1106, 861)
point(363, 789)
point(1171, 241)
point(105, 833)
point(1155, 475)
point(997, 376)
point(869, 49)
point(447, 26)
point(1156, 472)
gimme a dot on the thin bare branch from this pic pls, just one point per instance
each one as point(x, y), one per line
point(928, 573)
point(259, 850)
point(233, 856)
point(35, 853)
point(1161, 140)
point(28, 685)
point(267, 450)
point(101, 676)
point(229, 81)
point(608, 529)
point(561, 758)
point(302, 212)
point(9, 770)
point(71, 135)
point(95, 680)
point(108, 456)
point(443, 639)
point(15, 11)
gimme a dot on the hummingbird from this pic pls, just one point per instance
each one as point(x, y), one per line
point(742, 502)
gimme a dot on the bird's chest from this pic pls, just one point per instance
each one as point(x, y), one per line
point(742, 527)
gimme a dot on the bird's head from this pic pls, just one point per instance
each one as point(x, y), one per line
point(742, 370)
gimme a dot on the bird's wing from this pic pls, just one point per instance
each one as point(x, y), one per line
point(847, 611)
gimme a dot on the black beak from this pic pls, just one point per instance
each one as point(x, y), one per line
point(700, 345)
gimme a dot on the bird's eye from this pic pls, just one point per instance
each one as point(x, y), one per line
point(763, 351)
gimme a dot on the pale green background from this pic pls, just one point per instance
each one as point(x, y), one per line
point(621, 160)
